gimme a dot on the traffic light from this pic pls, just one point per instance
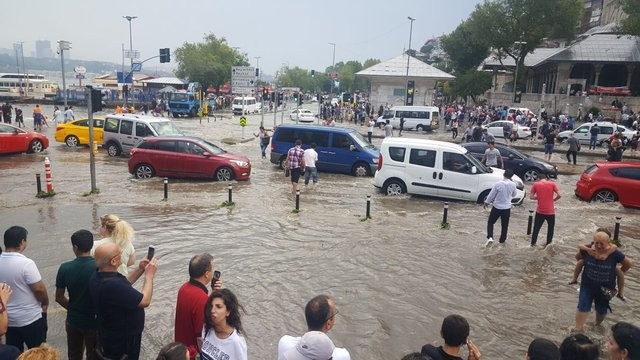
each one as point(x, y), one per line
point(96, 100)
point(257, 72)
point(299, 99)
point(165, 55)
point(313, 73)
point(265, 93)
point(295, 97)
point(280, 98)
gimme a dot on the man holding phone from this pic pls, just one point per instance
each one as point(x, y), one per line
point(192, 298)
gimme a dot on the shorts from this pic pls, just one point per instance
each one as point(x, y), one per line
point(587, 297)
point(506, 134)
point(295, 174)
point(548, 149)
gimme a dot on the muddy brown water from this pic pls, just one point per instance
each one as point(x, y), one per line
point(394, 277)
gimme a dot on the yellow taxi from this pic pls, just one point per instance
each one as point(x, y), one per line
point(76, 132)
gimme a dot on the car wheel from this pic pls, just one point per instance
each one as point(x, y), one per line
point(113, 149)
point(175, 115)
point(224, 174)
point(531, 174)
point(605, 196)
point(483, 195)
point(36, 146)
point(281, 162)
point(72, 141)
point(360, 169)
point(394, 188)
point(144, 171)
point(420, 127)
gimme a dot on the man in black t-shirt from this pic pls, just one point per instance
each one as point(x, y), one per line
point(455, 332)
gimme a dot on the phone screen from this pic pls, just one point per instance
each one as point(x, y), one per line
point(216, 275)
point(151, 252)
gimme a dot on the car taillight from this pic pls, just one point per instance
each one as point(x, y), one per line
point(58, 128)
point(379, 162)
point(525, 130)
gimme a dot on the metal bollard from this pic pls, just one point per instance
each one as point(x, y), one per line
point(38, 184)
point(616, 230)
point(445, 213)
point(530, 222)
point(297, 199)
point(166, 188)
point(230, 188)
point(368, 206)
point(47, 175)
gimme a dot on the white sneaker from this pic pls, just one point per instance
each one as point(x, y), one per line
point(489, 242)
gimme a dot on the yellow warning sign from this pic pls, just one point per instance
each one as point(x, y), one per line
point(243, 121)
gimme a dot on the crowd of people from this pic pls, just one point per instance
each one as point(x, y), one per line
point(106, 317)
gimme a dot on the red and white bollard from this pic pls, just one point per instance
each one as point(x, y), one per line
point(47, 174)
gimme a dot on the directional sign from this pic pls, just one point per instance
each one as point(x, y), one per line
point(80, 69)
point(136, 67)
point(243, 121)
point(243, 79)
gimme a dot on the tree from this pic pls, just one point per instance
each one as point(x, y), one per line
point(466, 46)
point(208, 63)
point(630, 25)
point(469, 84)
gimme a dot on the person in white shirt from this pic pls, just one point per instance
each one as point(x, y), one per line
point(68, 115)
point(372, 123)
point(223, 335)
point(310, 158)
point(320, 314)
point(500, 197)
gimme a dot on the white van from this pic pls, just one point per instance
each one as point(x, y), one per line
point(436, 168)
point(251, 106)
point(421, 118)
point(122, 132)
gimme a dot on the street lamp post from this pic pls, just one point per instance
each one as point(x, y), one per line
point(519, 44)
point(406, 80)
point(62, 46)
point(129, 18)
point(333, 68)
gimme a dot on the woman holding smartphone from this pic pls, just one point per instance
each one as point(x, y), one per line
point(223, 332)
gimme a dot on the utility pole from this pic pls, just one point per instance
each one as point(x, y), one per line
point(131, 56)
point(406, 80)
point(62, 46)
point(333, 68)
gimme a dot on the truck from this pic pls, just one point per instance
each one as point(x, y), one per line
point(186, 102)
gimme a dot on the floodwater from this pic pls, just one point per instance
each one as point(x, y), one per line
point(394, 277)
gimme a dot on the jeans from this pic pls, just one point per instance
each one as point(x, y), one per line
point(504, 215)
point(78, 340)
point(592, 141)
point(310, 172)
point(32, 335)
point(263, 148)
point(369, 133)
point(454, 133)
point(537, 224)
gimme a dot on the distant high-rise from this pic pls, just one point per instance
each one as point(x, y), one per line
point(43, 49)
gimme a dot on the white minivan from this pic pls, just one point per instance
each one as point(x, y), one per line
point(251, 105)
point(123, 132)
point(436, 168)
point(421, 118)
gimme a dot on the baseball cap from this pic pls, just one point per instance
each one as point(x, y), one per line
point(543, 349)
point(314, 345)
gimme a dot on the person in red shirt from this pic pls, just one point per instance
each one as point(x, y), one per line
point(191, 301)
point(546, 192)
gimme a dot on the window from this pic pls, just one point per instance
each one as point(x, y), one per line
point(397, 153)
point(399, 92)
point(166, 146)
point(111, 125)
point(582, 130)
point(628, 173)
point(126, 127)
point(287, 136)
point(187, 147)
point(456, 162)
point(142, 130)
point(82, 123)
point(606, 130)
point(98, 123)
point(341, 141)
point(476, 149)
point(320, 138)
point(422, 157)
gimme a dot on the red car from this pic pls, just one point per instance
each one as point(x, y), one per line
point(611, 181)
point(16, 140)
point(186, 157)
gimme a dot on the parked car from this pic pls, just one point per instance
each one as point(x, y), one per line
point(342, 150)
point(122, 132)
point(186, 157)
point(495, 128)
point(303, 115)
point(625, 135)
point(420, 118)
point(527, 167)
point(436, 168)
point(584, 136)
point(76, 132)
point(16, 140)
point(611, 181)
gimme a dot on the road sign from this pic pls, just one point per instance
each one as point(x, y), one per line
point(79, 76)
point(243, 121)
point(80, 70)
point(243, 79)
point(136, 67)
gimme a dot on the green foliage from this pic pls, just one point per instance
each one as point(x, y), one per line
point(227, 203)
point(44, 194)
point(630, 25)
point(301, 78)
point(594, 110)
point(445, 226)
point(466, 46)
point(469, 84)
point(209, 62)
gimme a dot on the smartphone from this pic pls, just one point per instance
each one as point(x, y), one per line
point(216, 277)
point(151, 252)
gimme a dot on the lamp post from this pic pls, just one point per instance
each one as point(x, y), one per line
point(62, 46)
point(406, 79)
point(519, 44)
point(333, 67)
point(129, 18)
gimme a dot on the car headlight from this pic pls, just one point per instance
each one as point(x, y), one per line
point(550, 167)
point(518, 182)
point(240, 163)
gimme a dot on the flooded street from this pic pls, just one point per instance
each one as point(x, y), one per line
point(394, 277)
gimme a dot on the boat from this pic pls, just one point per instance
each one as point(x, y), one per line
point(34, 86)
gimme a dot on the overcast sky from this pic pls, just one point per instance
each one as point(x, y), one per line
point(280, 32)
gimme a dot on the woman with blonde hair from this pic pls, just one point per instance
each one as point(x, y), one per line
point(119, 232)
point(42, 352)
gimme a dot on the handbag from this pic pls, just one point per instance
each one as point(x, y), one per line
point(286, 172)
point(608, 293)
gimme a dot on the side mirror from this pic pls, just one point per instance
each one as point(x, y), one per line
point(206, 154)
point(510, 156)
point(474, 170)
point(352, 147)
